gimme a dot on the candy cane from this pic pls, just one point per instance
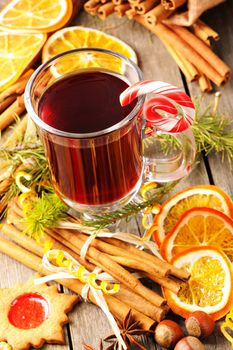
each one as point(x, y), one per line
point(166, 97)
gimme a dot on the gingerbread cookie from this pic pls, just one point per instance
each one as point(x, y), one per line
point(33, 314)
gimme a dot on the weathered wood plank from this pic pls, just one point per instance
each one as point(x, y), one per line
point(220, 19)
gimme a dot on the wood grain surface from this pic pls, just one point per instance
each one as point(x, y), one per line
point(88, 323)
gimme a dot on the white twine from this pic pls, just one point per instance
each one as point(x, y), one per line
point(122, 236)
point(61, 272)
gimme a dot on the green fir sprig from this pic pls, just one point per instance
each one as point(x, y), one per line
point(130, 209)
point(213, 130)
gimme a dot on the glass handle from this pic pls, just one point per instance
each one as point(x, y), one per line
point(168, 145)
point(168, 156)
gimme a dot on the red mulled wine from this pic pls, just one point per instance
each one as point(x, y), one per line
point(89, 169)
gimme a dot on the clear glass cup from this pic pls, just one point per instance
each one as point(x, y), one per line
point(99, 171)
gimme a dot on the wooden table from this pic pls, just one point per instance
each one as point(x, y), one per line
point(88, 323)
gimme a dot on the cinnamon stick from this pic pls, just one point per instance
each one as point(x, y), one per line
point(204, 83)
point(118, 308)
point(136, 264)
point(7, 102)
point(204, 32)
point(157, 14)
point(105, 10)
point(140, 304)
point(174, 271)
point(144, 6)
point(108, 265)
point(30, 244)
point(135, 1)
point(131, 260)
point(188, 69)
point(196, 58)
point(172, 4)
point(171, 284)
point(119, 2)
point(18, 87)
point(121, 9)
point(4, 185)
point(130, 14)
point(91, 7)
point(10, 114)
point(211, 58)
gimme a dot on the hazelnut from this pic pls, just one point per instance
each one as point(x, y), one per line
point(189, 343)
point(199, 324)
point(168, 333)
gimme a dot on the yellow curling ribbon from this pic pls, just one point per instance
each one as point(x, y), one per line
point(155, 209)
point(18, 181)
point(227, 326)
point(80, 272)
point(23, 196)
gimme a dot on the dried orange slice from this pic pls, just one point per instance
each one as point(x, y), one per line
point(35, 16)
point(17, 52)
point(77, 37)
point(199, 227)
point(210, 286)
point(196, 196)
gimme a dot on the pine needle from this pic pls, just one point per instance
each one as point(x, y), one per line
point(133, 208)
point(213, 131)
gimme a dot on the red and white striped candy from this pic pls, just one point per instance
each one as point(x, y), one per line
point(166, 98)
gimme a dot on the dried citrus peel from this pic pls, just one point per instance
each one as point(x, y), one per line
point(18, 180)
point(155, 209)
point(227, 326)
point(63, 260)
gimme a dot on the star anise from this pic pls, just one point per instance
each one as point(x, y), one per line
point(130, 332)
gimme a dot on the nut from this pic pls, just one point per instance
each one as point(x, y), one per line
point(199, 324)
point(168, 333)
point(189, 343)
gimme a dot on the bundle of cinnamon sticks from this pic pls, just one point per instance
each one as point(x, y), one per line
point(112, 256)
point(189, 47)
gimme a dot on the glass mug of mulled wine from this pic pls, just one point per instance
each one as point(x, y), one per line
point(94, 146)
